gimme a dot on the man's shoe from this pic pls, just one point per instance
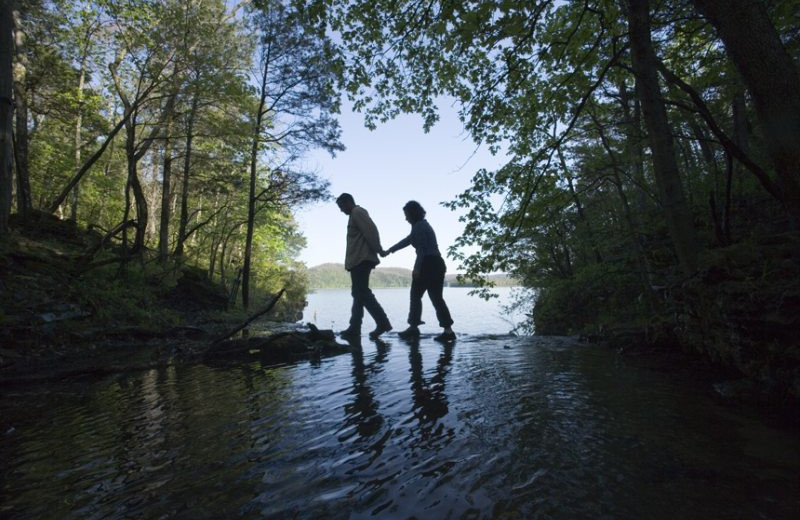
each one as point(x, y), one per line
point(380, 329)
point(350, 333)
point(445, 337)
point(409, 333)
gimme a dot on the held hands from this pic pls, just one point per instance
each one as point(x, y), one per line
point(384, 253)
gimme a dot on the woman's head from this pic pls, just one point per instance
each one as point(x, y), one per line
point(414, 212)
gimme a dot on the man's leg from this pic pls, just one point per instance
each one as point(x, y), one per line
point(359, 280)
point(371, 303)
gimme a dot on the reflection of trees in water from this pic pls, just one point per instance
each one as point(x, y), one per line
point(198, 423)
point(429, 398)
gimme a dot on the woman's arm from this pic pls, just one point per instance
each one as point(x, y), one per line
point(400, 245)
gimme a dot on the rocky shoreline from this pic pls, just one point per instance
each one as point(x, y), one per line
point(134, 349)
point(60, 319)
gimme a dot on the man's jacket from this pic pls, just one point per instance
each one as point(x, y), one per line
point(363, 240)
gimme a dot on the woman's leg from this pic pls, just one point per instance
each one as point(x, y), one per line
point(435, 285)
point(415, 304)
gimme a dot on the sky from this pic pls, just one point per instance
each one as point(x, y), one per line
point(385, 168)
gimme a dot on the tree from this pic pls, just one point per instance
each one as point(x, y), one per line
point(21, 115)
point(146, 61)
point(549, 85)
point(148, 108)
point(86, 29)
point(773, 79)
point(6, 118)
point(679, 218)
point(215, 97)
point(296, 103)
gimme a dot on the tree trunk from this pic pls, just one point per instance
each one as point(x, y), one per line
point(754, 46)
point(251, 205)
point(223, 261)
point(634, 226)
point(139, 197)
point(705, 148)
point(741, 136)
point(163, 231)
point(21, 109)
point(665, 166)
point(78, 137)
point(633, 145)
point(641, 257)
point(251, 217)
point(187, 161)
point(585, 221)
point(126, 216)
point(6, 107)
point(212, 257)
point(151, 187)
point(133, 153)
point(140, 202)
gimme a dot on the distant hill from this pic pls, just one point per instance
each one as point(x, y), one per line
point(333, 276)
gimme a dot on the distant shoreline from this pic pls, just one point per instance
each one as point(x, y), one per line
point(407, 287)
point(334, 276)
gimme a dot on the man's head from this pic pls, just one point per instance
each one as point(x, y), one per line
point(346, 203)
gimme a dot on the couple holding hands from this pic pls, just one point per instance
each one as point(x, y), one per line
point(361, 257)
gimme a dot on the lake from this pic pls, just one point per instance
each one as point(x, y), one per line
point(492, 426)
point(330, 309)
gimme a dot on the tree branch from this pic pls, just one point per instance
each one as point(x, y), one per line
point(731, 147)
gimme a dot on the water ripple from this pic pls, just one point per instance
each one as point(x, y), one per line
point(491, 427)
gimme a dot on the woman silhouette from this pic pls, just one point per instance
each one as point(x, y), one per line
point(428, 274)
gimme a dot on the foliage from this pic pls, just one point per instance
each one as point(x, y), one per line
point(179, 74)
point(577, 210)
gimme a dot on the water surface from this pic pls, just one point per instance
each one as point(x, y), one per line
point(330, 309)
point(493, 426)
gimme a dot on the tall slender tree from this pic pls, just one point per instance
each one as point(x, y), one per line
point(21, 114)
point(6, 114)
point(665, 166)
point(296, 103)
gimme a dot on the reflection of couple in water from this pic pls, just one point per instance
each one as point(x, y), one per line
point(361, 257)
point(429, 399)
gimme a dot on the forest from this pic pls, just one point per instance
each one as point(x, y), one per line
point(170, 132)
point(651, 185)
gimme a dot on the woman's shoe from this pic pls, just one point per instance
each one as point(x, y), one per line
point(409, 333)
point(445, 337)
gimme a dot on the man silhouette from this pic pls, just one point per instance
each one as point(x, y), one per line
point(361, 257)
